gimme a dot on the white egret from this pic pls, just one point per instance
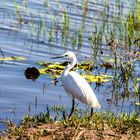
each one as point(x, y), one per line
point(75, 85)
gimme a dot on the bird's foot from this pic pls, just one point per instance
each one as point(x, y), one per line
point(65, 117)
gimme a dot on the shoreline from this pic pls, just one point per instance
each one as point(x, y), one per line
point(100, 126)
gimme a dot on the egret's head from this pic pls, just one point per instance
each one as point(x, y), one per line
point(67, 55)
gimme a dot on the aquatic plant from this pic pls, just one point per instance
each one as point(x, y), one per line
point(26, 6)
point(82, 25)
point(17, 8)
point(56, 69)
point(65, 29)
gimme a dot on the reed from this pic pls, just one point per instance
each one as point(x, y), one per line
point(18, 12)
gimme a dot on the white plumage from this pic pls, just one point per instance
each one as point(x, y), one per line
point(75, 85)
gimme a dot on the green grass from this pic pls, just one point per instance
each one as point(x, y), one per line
point(100, 122)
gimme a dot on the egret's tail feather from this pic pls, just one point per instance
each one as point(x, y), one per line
point(96, 105)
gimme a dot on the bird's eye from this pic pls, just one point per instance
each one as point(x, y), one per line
point(66, 55)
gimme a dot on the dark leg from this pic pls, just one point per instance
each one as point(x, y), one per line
point(72, 109)
point(91, 112)
point(64, 115)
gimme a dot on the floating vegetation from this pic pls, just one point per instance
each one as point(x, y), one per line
point(137, 103)
point(56, 69)
point(17, 58)
point(99, 79)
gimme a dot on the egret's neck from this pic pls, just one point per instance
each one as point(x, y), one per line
point(70, 66)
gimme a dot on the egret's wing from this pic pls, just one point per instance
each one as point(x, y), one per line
point(76, 86)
